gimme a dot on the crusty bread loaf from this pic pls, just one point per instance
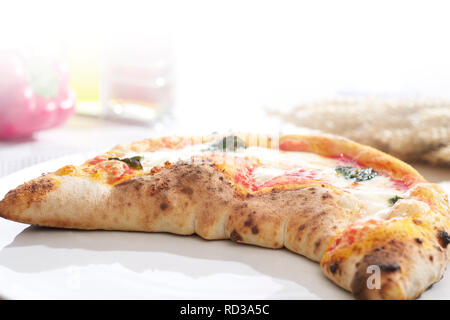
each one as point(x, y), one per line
point(411, 129)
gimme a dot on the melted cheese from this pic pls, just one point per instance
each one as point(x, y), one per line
point(374, 195)
point(289, 159)
point(263, 174)
point(374, 200)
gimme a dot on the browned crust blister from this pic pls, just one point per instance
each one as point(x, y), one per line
point(196, 197)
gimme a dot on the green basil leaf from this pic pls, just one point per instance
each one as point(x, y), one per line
point(394, 199)
point(362, 174)
point(133, 162)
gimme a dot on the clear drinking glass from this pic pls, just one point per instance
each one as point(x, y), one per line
point(137, 79)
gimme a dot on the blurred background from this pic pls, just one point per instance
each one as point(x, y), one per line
point(82, 76)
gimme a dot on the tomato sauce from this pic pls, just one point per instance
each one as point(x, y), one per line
point(96, 160)
point(245, 178)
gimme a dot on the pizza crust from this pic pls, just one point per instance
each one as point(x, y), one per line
point(408, 262)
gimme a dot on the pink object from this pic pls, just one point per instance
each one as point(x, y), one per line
point(34, 94)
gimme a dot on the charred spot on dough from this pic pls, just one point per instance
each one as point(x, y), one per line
point(187, 190)
point(418, 240)
point(386, 257)
point(164, 205)
point(240, 206)
point(317, 244)
point(431, 258)
point(326, 195)
point(152, 189)
point(138, 185)
point(33, 191)
point(37, 188)
point(391, 267)
point(357, 250)
point(417, 221)
point(444, 238)
point(234, 236)
point(41, 186)
point(334, 267)
point(255, 230)
point(321, 213)
point(248, 222)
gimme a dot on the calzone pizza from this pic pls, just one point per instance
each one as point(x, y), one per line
point(375, 225)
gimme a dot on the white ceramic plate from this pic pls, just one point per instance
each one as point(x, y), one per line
point(44, 263)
